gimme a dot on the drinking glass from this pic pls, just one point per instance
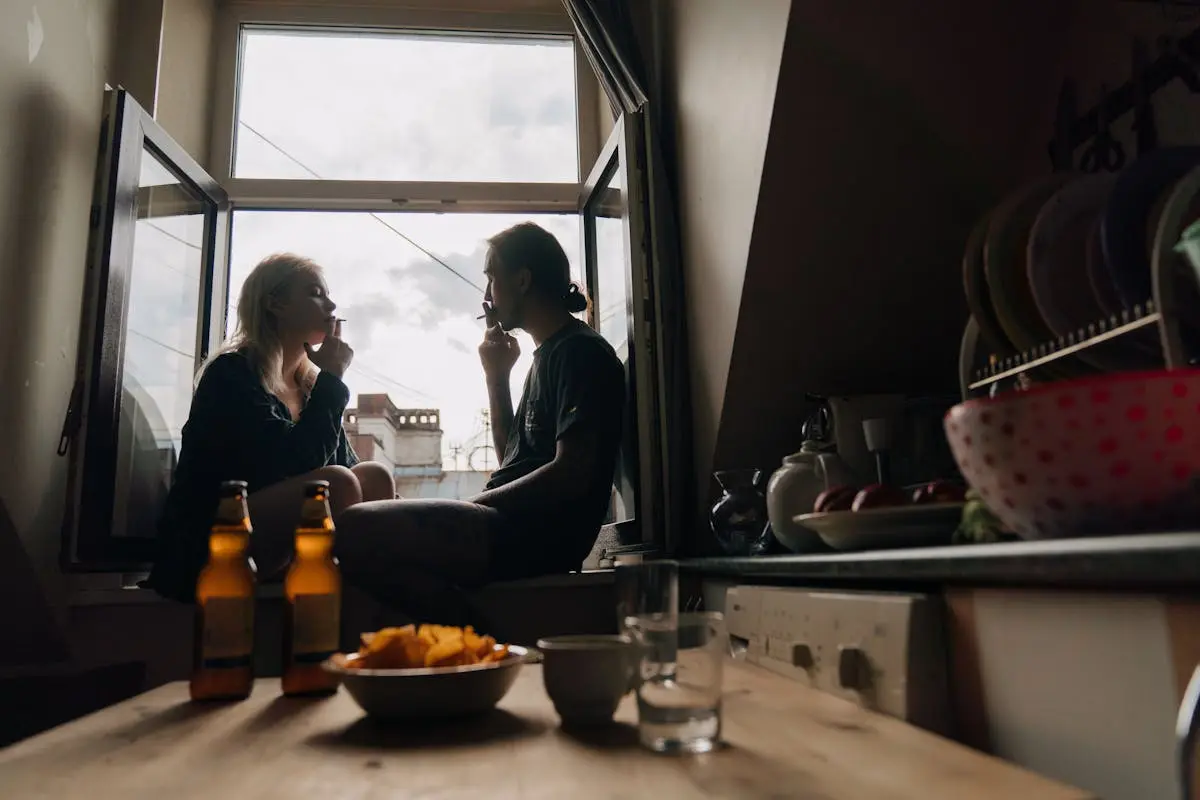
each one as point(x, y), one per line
point(649, 587)
point(680, 662)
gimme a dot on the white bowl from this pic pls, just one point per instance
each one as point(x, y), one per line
point(428, 692)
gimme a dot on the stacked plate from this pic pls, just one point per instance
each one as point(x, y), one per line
point(1069, 250)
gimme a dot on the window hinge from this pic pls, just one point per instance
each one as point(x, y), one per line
point(71, 421)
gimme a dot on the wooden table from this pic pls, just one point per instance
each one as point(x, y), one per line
point(783, 740)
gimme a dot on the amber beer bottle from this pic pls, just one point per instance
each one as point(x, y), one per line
point(313, 588)
point(224, 637)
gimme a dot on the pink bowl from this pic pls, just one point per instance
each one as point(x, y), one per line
point(1109, 454)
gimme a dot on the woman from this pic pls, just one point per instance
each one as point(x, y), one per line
point(267, 410)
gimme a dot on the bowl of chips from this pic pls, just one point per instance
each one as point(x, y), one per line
point(427, 671)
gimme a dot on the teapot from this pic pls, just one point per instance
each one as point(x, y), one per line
point(794, 488)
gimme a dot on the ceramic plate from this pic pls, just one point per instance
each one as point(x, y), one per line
point(1123, 233)
point(1056, 259)
point(886, 528)
point(979, 299)
point(1173, 279)
point(1099, 279)
point(1004, 257)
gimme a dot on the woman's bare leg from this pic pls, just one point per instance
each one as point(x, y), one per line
point(376, 480)
point(275, 510)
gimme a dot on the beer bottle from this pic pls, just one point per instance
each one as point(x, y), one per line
point(313, 589)
point(224, 638)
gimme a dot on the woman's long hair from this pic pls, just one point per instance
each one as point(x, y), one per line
point(257, 331)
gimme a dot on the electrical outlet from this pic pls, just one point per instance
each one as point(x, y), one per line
point(885, 651)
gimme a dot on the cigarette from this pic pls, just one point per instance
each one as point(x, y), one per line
point(482, 316)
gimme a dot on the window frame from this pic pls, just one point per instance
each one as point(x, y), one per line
point(623, 151)
point(91, 430)
point(442, 197)
point(505, 18)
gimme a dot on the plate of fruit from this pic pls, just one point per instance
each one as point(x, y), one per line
point(879, 516)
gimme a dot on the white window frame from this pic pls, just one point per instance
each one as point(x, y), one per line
point(339, 195)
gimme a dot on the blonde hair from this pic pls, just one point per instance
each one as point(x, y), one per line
point(256, 332)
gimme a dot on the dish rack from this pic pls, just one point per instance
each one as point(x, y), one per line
point(1012, 367)
point(1165, 310)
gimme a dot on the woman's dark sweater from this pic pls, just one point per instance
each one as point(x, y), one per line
point(237, 430)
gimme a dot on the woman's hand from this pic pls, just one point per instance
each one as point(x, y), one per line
point(499, 350)
point(334, 355)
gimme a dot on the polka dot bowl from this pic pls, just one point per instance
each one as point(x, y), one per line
point(1111, 454)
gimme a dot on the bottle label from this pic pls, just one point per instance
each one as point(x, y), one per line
point(227, 632)
point(315, 619)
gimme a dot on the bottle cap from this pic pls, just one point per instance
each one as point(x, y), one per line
point(313, 488)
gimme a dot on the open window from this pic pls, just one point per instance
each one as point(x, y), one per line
point(327, 143)
point(616, 278)
point(156, 273)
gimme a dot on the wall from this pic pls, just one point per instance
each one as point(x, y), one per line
point(415, 448)
point(719, 67)
point(136, 50)
point(54, 58)
point(185, 74)
point(379, 428)
point(1082, 687)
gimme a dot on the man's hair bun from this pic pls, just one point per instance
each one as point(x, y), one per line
point(575, 300)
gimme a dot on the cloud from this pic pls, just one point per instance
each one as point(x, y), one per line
point(368, 314)
point(408, 108)
point(441, 293)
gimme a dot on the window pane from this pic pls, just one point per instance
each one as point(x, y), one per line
point(612, 296)
point(406, 107)
point(160, 358)
point(605, 214)
point(418, 398)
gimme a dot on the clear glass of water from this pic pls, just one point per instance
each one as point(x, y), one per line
point(649, 587)
point(681, 658)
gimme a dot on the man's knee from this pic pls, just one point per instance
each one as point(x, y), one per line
point(344, 488)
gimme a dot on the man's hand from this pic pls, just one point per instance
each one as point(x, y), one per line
point(499, 350)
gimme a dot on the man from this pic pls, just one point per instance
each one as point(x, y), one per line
point(543, 507)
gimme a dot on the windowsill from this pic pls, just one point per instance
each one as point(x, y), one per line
point(1164, 560)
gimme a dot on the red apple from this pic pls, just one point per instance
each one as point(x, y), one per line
point(835, 498)
point(878, 495)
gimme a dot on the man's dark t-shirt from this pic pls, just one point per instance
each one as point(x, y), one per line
point(576, 383)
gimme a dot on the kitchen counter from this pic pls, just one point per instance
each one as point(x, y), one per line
point(1156, 561)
